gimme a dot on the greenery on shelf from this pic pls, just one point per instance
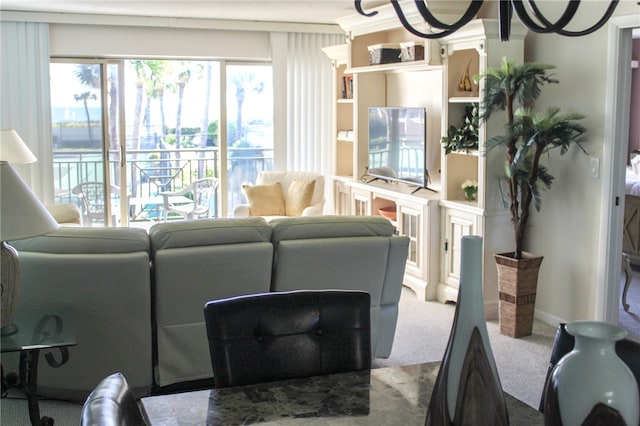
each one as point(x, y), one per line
point(465, 136)
point(527, 135)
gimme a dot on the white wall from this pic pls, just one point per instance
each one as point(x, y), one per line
point(67, 40)
point(566, 231)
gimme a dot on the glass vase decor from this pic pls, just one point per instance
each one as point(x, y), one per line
point(591, 385)
point(467, 390)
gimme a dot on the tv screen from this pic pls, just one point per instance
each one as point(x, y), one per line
point(397, 138)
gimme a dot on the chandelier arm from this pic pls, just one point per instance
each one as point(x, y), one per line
point(548, 27)
point(612, 6)
point(471, 11)
point(469, 14)
point(505, 13)
point(358, 6)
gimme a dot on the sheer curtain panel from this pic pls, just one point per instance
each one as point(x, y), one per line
point(308, 99)
point(24, 103)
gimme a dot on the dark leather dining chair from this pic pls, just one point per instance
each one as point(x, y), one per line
point(628, 350)
point(112, 403)
point(282, 335)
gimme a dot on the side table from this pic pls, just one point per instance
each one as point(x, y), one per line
point(38, 330)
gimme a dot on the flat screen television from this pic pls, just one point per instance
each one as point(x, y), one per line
point(397, 145)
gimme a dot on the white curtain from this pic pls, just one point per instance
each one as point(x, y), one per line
point(308, 99)
point(25, 102)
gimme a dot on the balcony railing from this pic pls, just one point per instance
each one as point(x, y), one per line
point(150, 172)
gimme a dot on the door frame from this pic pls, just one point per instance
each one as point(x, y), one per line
point(616, 136)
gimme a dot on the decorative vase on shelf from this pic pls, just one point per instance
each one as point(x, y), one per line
point(467, 390)
point(591, 385)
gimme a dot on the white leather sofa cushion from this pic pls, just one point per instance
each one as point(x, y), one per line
point(195, 262)
point(344, 252)
point(101, 276)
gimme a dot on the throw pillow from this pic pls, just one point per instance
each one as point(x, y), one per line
point(265, 200)
point(299, 196)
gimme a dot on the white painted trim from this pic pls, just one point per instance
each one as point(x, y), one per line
point(547, 318)
point(613, 154)
point(164, 22)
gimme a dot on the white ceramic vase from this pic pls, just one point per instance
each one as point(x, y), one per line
point(591, 385)
point(467, 390)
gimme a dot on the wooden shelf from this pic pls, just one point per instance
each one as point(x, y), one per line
point(464, 99)
point(394, 67)
point(470, 152)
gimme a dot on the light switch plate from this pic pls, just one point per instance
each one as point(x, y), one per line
point(594, 166)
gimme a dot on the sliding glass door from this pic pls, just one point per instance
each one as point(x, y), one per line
point(85, 113)
point(249, 113)
point(125, 131)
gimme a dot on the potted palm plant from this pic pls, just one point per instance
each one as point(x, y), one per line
point(527, 137)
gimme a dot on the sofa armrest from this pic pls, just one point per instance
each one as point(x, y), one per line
point(241, 210)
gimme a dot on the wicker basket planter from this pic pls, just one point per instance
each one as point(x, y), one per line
point(517, 284)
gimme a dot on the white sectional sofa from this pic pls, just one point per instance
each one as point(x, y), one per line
point(137, 298)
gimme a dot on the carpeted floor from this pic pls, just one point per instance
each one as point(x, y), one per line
point(421, 336)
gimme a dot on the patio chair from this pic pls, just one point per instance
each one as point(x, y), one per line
point(198, 204)
point(91, 195)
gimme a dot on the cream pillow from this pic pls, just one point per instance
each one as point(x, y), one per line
point(265, 200)
point(299, 196)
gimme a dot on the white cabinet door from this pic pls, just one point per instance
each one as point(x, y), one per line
point(410, 223)
point(341, 198)
point(360, 202)
point(457, 224)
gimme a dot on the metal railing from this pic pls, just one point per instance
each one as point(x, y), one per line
point(150, 172)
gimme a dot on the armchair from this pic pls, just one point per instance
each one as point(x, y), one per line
point(201, 189)
point(290, 183)
point(67, 214)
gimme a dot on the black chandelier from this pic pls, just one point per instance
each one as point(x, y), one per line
point(538, 23)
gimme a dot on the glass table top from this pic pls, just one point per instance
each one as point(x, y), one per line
point(40, 329)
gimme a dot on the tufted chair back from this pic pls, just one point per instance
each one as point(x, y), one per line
point(283, 335)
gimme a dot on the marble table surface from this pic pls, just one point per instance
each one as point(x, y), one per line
point(384, 396)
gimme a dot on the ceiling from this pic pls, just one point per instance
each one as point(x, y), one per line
point(298, 11)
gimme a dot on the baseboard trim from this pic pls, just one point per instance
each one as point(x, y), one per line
point(548, 318)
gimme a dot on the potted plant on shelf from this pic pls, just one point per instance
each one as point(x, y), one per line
point(465, 136)
point(527, 136)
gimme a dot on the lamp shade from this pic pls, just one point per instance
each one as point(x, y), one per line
point(22, 215)
point(13, 149)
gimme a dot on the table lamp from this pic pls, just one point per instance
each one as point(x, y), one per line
point(22, 215)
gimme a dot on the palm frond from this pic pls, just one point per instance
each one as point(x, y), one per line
point(495, 141)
